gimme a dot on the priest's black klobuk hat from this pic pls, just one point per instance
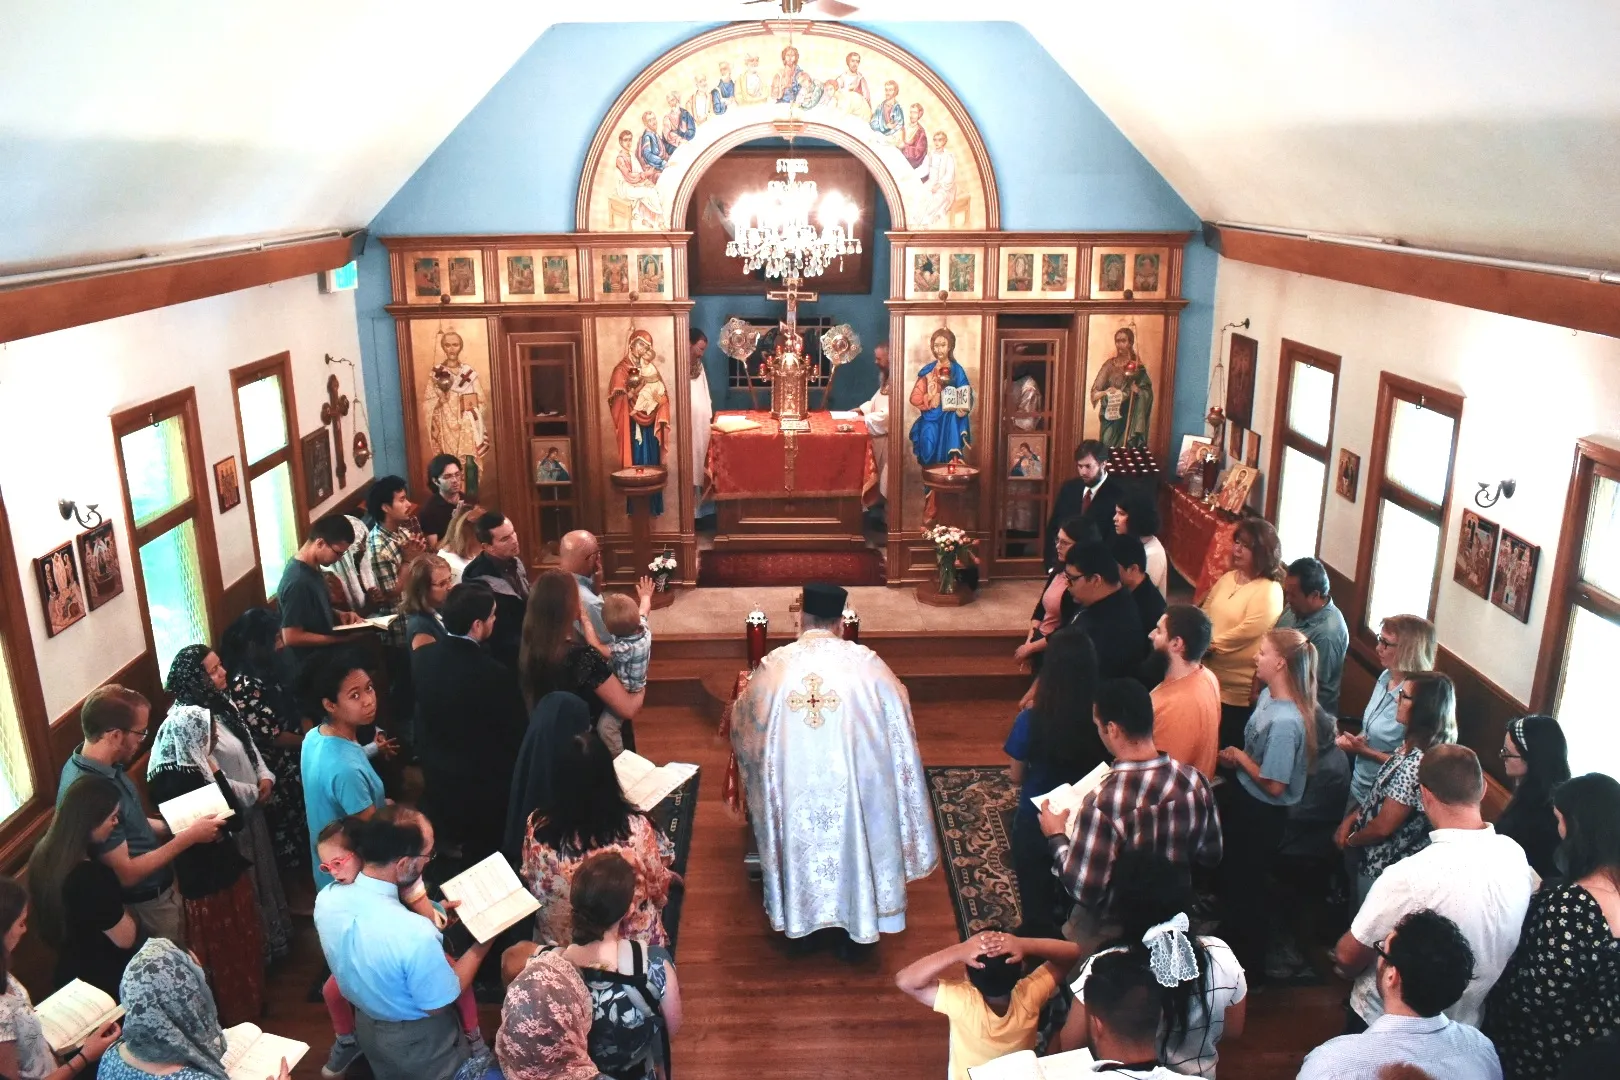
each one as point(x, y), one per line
point(824, 601)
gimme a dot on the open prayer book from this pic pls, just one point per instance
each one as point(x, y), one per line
point(1070, 796)
point(74, 1013)
point(646, 784)
point(206, 801)
point(1024, 1065)
point(490, 896)
point(252, 1054)
point(376, 622)
point(732, 423)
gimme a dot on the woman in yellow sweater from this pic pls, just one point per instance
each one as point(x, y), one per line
point(1243, 604)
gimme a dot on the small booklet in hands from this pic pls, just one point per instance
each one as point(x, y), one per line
point(490, 897)
point(74, 1013)
point(1024, 1065)
point(645, 784)
point(253, 1054)
point(183, 810)
point(1070, 797)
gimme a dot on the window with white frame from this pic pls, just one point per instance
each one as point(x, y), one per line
point(264, 416)
point(1307, 392)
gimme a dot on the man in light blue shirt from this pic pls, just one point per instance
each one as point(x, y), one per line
point(1309, 608)
point(1424, 965)
point(580, 554)
point(389, 961)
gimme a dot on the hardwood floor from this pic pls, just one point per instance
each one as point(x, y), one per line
point(754, 1010)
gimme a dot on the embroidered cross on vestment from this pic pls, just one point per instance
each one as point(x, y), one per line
point(814, 702)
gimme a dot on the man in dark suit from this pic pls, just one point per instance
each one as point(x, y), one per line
point(470, 721)
point(1093, 494)
point(500, 567)
point(1107, 612)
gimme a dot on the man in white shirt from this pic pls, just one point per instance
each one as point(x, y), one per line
point(1424, 966)
point(875, 411)
point(1476, 878)
point(702, 418)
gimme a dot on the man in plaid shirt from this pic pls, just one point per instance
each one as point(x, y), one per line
point(393, 541)
point(1148, 801)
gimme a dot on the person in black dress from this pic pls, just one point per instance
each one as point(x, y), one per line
point(75, 901)
point(554, 657)
point(1536, 758)
point(272, 718)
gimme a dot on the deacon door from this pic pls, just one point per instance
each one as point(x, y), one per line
point(1028, 367)
point(552, 443)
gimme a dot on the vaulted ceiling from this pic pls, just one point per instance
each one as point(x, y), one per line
point(1491, 127)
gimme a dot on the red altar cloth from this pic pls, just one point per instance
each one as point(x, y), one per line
point(825, 463)
point(1198, 540)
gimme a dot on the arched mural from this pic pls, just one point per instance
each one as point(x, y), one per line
point(818, 80)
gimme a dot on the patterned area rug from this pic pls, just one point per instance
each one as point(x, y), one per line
point(973, 809)
point(731, 569)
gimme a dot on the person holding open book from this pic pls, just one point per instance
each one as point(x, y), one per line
point(25, 1054)
point(1148, 801)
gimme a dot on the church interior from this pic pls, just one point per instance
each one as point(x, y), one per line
point(1308, 263)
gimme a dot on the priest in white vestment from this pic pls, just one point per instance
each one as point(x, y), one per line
point(702, 419)
point(833, 781)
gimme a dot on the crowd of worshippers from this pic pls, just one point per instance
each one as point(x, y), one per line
point(1473, 950)
point(513, 696)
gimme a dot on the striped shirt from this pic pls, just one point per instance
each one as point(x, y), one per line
point(387, 553)
point(1159, 805)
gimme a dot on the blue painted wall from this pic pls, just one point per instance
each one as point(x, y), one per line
point(513, 166)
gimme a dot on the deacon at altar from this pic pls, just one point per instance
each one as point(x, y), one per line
point(833, 781)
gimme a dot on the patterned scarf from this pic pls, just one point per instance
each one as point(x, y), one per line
point(190, 684)
point(545, 1022)
point(170, 1017)
point(184, 741)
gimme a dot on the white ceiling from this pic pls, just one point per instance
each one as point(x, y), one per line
point(1492, 126)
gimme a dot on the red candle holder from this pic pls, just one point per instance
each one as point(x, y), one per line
point(758, 627)
point(852, 625)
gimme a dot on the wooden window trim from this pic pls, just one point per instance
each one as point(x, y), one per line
point(1593, 458)
point(20, 830)
point(181, 403)
point(1393, 388)
point(279, 365)
point(1283, 437)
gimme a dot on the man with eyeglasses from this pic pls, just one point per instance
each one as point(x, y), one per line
point(116, 721)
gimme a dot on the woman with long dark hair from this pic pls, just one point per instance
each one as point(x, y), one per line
point(271, 716)
point(1054, 742)
point(75, 899)
point(338, 777)
point(24, 1053)
point(1389, 823)
point(1562, 987)
point(1056, 607)
point(587, 813)
point(1205, 992)
point(1135, 515)
point(1535, 757)
point(555, 658)
point(1242, 605)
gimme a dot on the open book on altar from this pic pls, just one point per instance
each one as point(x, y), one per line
point(645, 784)
point(1024, 1065)
point(490, 896)
point(253, 1054)
point(182, 810)
point(74, 1013)
point(1070, 796)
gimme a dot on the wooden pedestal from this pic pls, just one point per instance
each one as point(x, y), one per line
point(638, 484)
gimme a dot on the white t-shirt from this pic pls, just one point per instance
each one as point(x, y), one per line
point(1478, 879)
point(1194, 1054)
point(1158, 565)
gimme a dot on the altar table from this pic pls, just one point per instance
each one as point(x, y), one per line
point(778, 491)
point(1198, 538)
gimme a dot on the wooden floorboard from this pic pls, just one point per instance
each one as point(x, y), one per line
point(754, 1011)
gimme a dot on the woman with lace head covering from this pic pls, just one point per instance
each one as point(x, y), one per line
point(545, 1023)
point(1150, 900)
point(169, 1020)
point(223, 924)
point(198, 680)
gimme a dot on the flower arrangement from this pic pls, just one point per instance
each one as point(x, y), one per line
point(948, 541)
point(662, 568)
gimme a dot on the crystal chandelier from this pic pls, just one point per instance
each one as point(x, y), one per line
point(773, 229)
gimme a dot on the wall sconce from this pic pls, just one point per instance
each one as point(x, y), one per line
point(1485, 498)
point(89, 518)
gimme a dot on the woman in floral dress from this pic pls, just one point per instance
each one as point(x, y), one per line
point(249, 652)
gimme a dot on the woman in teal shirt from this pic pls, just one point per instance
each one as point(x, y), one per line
point(1405, 644)
point(338, 777)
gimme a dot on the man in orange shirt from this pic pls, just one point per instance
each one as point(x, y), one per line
point(1187, 704)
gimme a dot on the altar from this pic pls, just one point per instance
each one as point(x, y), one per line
point(778, 490)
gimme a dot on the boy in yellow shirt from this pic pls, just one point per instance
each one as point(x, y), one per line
point(996, 1009)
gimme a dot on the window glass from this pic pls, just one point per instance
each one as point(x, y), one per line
point(1600, 558)
point(275, 521)
point(264, 422)
point(1310, 402)
point(1402, 564)
point(1586, 700)
point(1299, 503)
point(1419, 450)
point(155, 468)
point(174, 592)
point(16, 778)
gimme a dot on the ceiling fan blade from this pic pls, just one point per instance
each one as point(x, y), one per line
point(834, 9)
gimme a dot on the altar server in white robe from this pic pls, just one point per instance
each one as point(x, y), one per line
point(875, 411)
point(833, 781)
point(702, 418)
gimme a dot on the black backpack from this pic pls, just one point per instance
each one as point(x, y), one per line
point(621, 1050)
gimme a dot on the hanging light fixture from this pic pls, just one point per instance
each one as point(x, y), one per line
point(786, 232)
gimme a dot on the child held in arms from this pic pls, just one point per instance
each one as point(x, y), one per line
point(996, 1010)
point(629, 649)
